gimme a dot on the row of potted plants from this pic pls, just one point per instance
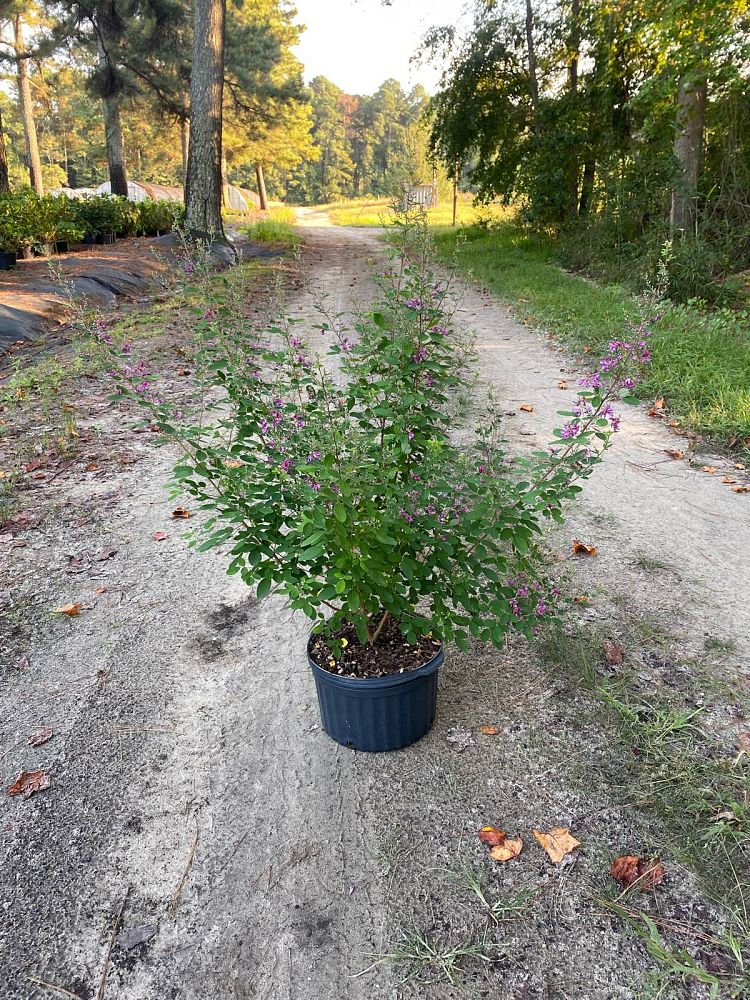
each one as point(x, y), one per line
point(54, 223)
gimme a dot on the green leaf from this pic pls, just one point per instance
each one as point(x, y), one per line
point(264, 587)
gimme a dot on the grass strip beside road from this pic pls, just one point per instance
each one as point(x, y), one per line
point(701, 357)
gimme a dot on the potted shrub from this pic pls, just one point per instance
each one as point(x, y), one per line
point(100, 216)
point(156, 217)
point(67, 234)
point(8, 237)
point(49, 214)
point(331, 468)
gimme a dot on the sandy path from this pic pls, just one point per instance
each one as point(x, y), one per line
point(183, 708)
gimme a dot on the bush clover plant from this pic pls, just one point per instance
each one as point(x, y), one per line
point(328, 459)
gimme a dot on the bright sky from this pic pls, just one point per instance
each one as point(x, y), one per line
point(359, 43)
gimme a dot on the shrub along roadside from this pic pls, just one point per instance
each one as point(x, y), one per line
point(701, 358)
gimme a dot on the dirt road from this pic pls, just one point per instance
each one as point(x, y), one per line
point(192, 786)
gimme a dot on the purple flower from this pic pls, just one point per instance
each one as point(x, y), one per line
point(415, 303)
point(410, 435)
point(614, 423)
point(406, 515)
point(420, 354)
point(522, 592)
point(263, 425)
point(431, 510)
point(515, 607)
point(286, 465)
point(313, 456)
point(570, 430)
point(591, 381)
point(127, 347)
point(607, 364)
point(295, 341)
point(313, 484)
point(209, 314)
point(187, 267)
point(346, 345)
point(630, 383)
point(541, 609)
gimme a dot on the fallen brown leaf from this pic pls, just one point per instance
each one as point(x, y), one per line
point(631, 870)
point(492, 835)
point(100, 590)
point(92, 467)
point(179, 512)
point(557, 843)
point(29, 782)
point(562, 384)
point(33, 465)
point(582, 549)
point(739, 465)
point(41, 736)
point(104, 554)
point(741, 489)
point(510, 848)
point(68, 609)
point(582, 599)
point(674, 453)
point(659, 403)
point(489, 730)
point(614, 653)
point(159, 536)
point(728, 480)
point(709, 468)
point(526, 408)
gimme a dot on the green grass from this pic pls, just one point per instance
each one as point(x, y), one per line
point(273, 231)
point(375, 212)
point(701, 359)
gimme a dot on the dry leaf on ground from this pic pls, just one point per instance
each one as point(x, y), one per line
point(526, 408)
point(68, 609)
point(558, 843)
point(582, 599)
point(510, 848)
point(492, 835)
point(159, 536)
point(562, 384)
point(104, 554)
point(709, 468)
point(674, 453)
point(739, 465)
point(41, 736)
point(582, 549)
point(631, 870)
point(659, 403)
point(614, 653)
point(741, 489)
point(728, 480)
point(180, 512)
point(29, 782)
point(489, 730)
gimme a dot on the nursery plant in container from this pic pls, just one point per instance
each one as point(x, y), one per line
point(330, 465)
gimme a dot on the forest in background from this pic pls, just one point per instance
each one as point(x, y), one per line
point(622, 127)
point(314, 143)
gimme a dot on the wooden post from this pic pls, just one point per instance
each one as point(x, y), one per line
point(455, 192)
point(261, 186)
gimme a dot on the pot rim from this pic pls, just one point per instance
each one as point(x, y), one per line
point(375, 683)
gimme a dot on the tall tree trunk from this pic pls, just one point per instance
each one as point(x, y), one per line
point(587, 185)
point(574, 44)
point(531, 49)
point(4, 184)
point(261, 186)
point(184, 132)
point(27, 110)
point(203, 182)
point(118, 172)
point(224, 180)
point(688, 145)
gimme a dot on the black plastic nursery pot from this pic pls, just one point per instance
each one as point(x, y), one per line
point(7, 261)
point(61, 246)
point(378, 713)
